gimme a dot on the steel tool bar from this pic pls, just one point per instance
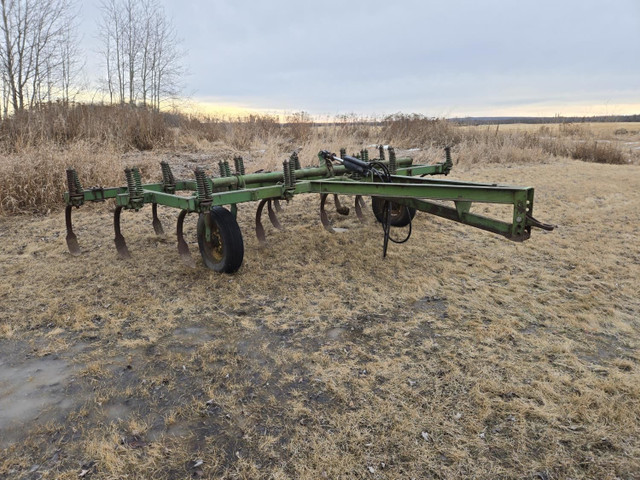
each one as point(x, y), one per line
point(458, 192)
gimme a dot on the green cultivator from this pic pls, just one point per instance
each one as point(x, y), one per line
point(397, 189)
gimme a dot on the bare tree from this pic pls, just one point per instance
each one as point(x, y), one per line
point(167, 68)
point(112, 34)
point(35, 36)
point(140, 51)
point(71, 63)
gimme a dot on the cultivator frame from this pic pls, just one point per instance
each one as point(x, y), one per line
point(397, 187)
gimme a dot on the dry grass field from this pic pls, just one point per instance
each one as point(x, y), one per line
point(460, 355)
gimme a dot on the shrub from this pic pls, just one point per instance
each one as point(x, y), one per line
point(598, 152)
point(419, 131)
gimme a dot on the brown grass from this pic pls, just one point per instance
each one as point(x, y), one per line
point(100, 141)
point(319, 359)
point(460, 355)
point(411, 131)
point(599, 152)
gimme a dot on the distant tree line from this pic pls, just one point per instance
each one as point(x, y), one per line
point(554, 119)
point(415, 117)
point(41, 59)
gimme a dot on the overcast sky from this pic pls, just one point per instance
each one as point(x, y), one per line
point(439, 58)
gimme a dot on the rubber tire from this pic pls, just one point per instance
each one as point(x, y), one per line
point(401, 215)
point(230, 257)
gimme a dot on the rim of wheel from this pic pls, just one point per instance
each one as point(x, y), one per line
point(396, 210)
point(215, 246)
point(399, 216)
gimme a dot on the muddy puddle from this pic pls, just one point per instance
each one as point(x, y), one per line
point(32, 392)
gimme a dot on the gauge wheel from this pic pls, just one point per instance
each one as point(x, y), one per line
point(224, 250)
point(401, 215)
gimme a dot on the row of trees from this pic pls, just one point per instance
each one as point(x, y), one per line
point(38, 52)
point(40, 58)
point(140, 52)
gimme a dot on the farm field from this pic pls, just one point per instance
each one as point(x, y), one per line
point(460, 355)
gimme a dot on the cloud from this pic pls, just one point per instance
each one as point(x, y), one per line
point(425, 56)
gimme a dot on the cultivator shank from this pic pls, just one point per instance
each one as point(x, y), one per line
point(397, 188)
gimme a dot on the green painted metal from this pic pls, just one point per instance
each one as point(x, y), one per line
point(467, 193)
point(405, 186)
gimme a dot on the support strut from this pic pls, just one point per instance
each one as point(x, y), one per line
point(157, 225)
point(121, 245)
point(259, 228)
point(386, 226)
point(72, 240)
point(183, 248)
point(359, 204)
point(341, 209)
point(323, 214)
point(272, 216)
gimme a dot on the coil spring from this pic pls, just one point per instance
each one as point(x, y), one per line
point(296, 160)
point(364, 154)
point(204, 189)
point(381, 150)
point(393, 164)
point(343, 152)
point(239, 164)
point(227, 169)
point(292, 173)
point(207, 187)
point(137, 179)
point(448, 164)
point(73, 182)
point(167, 175)
point(286, 173)
point(131, 183)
